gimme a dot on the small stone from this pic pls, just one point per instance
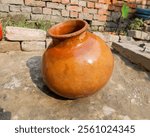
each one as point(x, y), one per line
point(6, 46)
point(108, 110)
point(32, 45)
point(22, 34)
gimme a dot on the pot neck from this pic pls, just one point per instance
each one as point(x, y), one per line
point(68, 29)
point(56, 41)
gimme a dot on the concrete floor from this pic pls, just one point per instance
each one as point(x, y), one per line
point(25, 96)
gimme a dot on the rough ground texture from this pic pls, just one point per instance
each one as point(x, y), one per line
point(25, 96)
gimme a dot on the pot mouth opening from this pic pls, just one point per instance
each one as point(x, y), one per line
point(68, 29)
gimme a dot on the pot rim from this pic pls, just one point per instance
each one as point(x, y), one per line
point(75, 33)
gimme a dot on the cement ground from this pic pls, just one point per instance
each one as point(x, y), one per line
point(25, 96)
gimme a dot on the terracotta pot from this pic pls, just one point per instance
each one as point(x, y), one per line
point(77, 63)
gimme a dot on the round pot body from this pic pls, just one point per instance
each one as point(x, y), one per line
point(77, 63)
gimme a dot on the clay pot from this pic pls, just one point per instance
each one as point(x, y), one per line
point(77, 63)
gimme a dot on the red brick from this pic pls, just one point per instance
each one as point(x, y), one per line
point(100, 17)
point(90, 4)
point(86, 16)
point(35, 3)
point(105, 1)
point(111, 7)
point(73, 14)
point(119, 3)
point(65, 1)
point(74, 2)
point(74, 8)
point(85, 10)
point(101, 6)
point(132, 5)
point(56, 0)
point(117, 9)
point(103, 12)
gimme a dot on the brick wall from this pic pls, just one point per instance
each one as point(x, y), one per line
point(101, 14)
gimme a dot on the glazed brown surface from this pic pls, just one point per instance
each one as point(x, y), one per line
point(77, 66)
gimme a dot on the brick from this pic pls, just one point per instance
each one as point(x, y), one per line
point(82, 3)
point(132, 5)
point(73, 14)
point(56, 0)
point(15, 7)
point(34, 3)
point(98, 23)
point(103, 12)
point(6, 46)
point(40, 17)
point(57, 19)
point(37, 10)
point(65, 1)
point(101, 29)
point(22, 34)
point(85, 16)
point(33, 45)
point(74, 2)
point(90, 4)
point(55, 5)
point(101, 6)
point(3, 14)
point(94, 11)
point(26, 15)
point(56, 12)
point(65, 13)
point(117, 9)
point(47, 11)
point(85, 10)
point(26, 9)
point(100, 17)
point(20, 2)
point(111, 7)
point(74, 8)
point(4, 7)
point(105, 1)
point(94, 28)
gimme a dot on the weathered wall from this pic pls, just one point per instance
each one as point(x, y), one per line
point(100, 13)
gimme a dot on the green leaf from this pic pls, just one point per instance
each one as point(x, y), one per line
point(125, 11)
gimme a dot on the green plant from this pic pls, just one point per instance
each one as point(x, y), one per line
point(124, 15)
point(136, 24)
point(125, 11)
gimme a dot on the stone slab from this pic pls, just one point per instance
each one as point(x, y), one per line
point(6, 46)
point(33, 45)
point(141, 35)
point(24, 34)
point(134, 53)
